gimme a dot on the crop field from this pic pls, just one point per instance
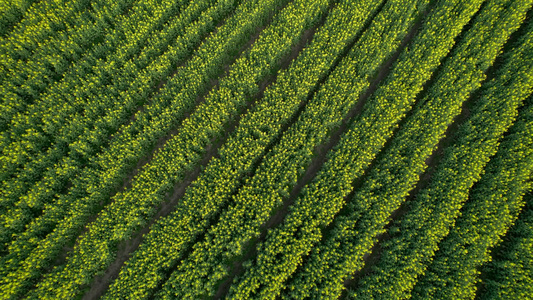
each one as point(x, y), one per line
point(266, 149)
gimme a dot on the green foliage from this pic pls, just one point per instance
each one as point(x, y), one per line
point(96, 183)
point(286, 245)
point(252, 204)
point(83, 108)
point(432, 213)
point(130, 210)
point(495, 201)
point(91, 129)
point(221, 177)
point(510, 274)
point(11, 13)
point(108, 108)
point(51, 36)
point(397, 169)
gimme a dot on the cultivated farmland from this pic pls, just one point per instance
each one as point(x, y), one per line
point(266, 149)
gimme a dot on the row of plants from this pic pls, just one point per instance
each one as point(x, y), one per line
point(91, 89)
point(510, 274)
point(495, 201)
point(93, 148)
point(285, 246)
point(258, 129)
point(53, 35)
point(134, 207)
point(226, 241)
point(415, 237)
point(38, 244)
point(105, 172)
point(46, 190)
point(396, 169)
point(12, 13)
point(40, 23)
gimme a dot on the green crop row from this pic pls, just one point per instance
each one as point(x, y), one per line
point(59, 33)
point(271, 149)
point(284, 247)
point(90, 146)
point(510, 274)
point(94, 88)
point(496, 200)
point(258, 129)
point(40, 24)
point(225, 240)
point(134, 207)
point(11, 13)
point(69, 213)
point(415, 238)
point(105, 172)
point(397, 168)
point(278, 172)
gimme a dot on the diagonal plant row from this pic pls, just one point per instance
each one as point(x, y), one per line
point(82, 45)
point(40, 23)
point(235, 264)
point(258, 129)
point(493, 206)
point(396, 170)
point(96, 183)
point(88, 81)
point(390, 154)
point(281, 253)
point(35, 249)
point(73, 104)
point(91, 150)
point(415, 237)
point(49, 25)
point(510, 273)
point(198, 284)
point(495, 201)
point(12, 13)
point(131, 209)
point(209, 121)
point(278, 172)
point(98, 32)
point(48, 158)
point(36, 56)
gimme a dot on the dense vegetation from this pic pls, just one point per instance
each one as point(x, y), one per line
point(262, 149)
